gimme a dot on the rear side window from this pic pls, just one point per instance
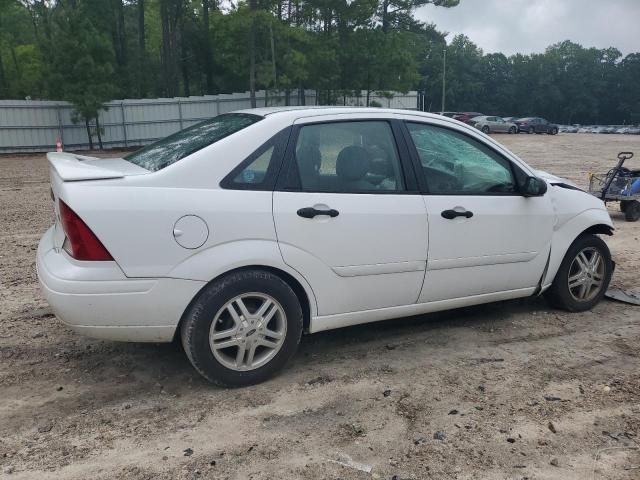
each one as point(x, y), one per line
point(260, 170)
point(256, 171)
point(175, 147)
point(348, 157)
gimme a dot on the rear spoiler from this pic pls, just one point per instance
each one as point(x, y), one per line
point(72, 168)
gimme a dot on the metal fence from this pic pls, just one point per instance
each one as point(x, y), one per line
point(27, 126)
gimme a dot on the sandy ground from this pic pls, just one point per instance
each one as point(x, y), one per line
point(512, 390)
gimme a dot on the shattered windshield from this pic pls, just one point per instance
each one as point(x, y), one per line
point(175, 147)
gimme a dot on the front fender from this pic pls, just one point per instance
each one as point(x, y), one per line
point(567, 232)
point(215, 261)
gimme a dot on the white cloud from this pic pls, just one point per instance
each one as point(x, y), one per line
point(526, 26)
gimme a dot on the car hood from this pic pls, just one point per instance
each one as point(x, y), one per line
point(553, 179)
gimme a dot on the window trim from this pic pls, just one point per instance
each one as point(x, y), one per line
point(289, 178)
point(279, 143)
point(415, 158)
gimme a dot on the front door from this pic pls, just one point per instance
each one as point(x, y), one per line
point(346, 218)
point(484, 237)
point(500, 125)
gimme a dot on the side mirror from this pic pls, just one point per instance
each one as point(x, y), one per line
point(534, 187)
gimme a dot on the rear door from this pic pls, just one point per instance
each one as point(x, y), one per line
point(349, 216)
point(539, 125)
point(484, 237)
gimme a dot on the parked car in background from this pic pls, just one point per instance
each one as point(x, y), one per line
point(466, 116)
point(536, 125)
point(239, 233)
point(633, 131)
point(585, 129)
point(510, 119)
point(493, 125)
point(449, 114)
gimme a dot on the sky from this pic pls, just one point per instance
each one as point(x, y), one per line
point(528, 26)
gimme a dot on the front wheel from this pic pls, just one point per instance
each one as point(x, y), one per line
point(485, 129)
point(512, 130)
point(554, 131)
point(242, 328)
point(583, 276)
point(531, 130)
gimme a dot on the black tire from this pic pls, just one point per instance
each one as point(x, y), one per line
point(623, 205)
point(531, 130)
point(513, 130)
point(485, 129)
point(559, 293)
point(197, 321)
point(554, 131)
point(631, 210)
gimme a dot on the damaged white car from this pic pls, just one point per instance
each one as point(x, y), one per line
point(242, 232)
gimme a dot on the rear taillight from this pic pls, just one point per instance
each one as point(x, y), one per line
point(81, 242)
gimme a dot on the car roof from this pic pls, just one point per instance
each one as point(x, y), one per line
point(314, 111)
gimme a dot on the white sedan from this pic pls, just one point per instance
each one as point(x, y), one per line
point(244, 231)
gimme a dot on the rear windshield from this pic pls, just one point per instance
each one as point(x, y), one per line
point(175, 147)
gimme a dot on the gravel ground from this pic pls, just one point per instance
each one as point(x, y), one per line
point(513, 390)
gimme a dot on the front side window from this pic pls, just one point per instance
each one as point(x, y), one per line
point(455, 164)
point(175, 147)
point(348, 157)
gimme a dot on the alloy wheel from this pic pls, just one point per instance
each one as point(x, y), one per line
point(248, 331)
point(586, 275)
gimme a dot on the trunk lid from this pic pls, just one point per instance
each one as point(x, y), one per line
point(65, 169)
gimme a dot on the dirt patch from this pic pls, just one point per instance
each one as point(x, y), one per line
point(509, 390)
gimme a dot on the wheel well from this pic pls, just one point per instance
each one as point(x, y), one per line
point(600, 229)
point(297, 288)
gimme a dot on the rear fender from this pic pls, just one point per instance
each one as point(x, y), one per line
point(213, 262)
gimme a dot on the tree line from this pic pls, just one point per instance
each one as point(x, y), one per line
point(92, 51)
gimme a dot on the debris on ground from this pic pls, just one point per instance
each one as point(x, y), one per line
point(346, 461)
point(439, 435)
point(624, 296)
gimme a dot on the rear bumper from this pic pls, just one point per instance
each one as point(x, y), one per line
point(96, 299)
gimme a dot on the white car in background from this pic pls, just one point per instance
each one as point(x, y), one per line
point(243, 231)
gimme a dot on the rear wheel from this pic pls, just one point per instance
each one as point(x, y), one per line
point(485, 129)
point(554, 131)
point(242, 328)
point(531, 130)
point(583, 276)
point(631, 210)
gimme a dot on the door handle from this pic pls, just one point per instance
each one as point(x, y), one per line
point(310, 212)
point(451, 214)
